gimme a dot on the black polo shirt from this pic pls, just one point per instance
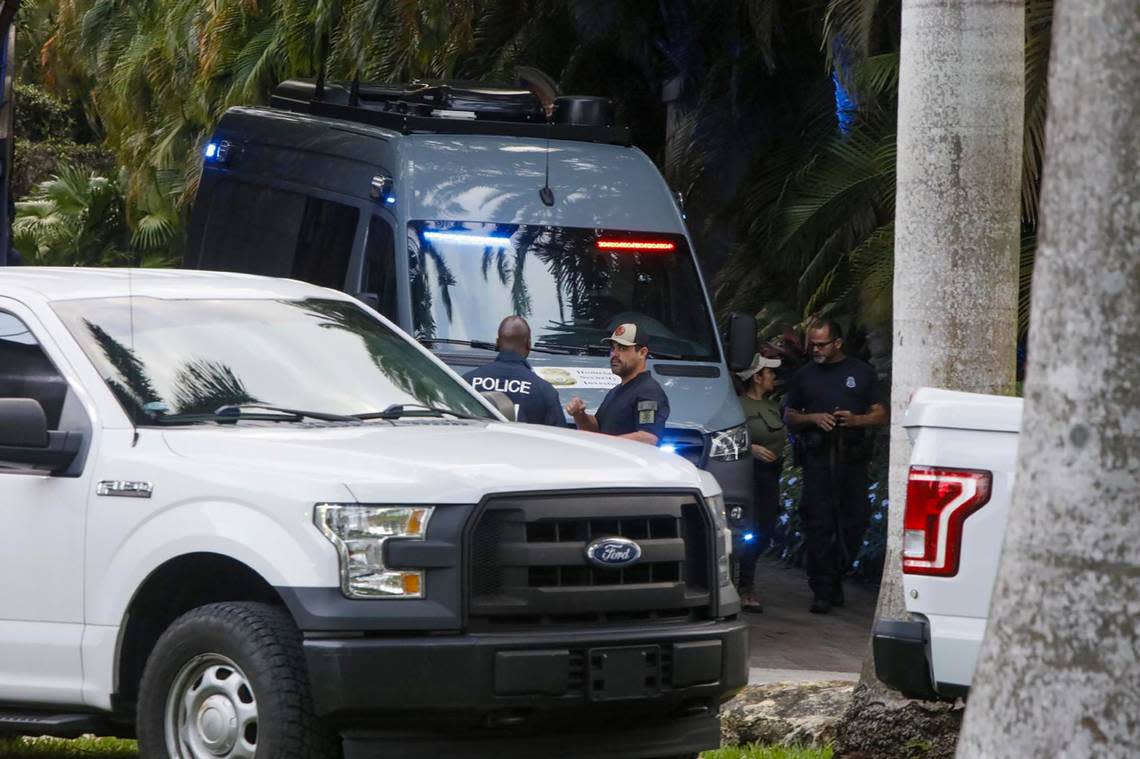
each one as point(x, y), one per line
point(536, 400)
point(847, 385)
point(639, 405)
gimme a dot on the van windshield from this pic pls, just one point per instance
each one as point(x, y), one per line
point(574, 286)
point(170, 360)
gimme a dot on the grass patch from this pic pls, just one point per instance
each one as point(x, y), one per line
point(767, 752)
point(57, 748)
point(117, 748)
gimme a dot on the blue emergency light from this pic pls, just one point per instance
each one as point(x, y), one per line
point(466, 238)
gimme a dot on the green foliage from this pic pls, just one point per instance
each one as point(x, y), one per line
point(795, 209)
point(73, 219)
point(79, 219)
point(42, 116)
point(828, 235)
point(35, 162)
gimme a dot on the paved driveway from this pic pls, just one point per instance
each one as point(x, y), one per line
point(788, 643)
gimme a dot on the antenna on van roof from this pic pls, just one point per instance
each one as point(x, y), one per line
point(546, 195)
point(547, 91)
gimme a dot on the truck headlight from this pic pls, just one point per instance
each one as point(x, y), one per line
point(359, 534)
point(724, 547)
point(730, 444)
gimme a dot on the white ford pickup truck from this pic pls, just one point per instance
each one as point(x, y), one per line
point(959, 490)
point(248, 517)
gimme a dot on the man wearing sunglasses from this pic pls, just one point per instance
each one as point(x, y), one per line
point(830, 403)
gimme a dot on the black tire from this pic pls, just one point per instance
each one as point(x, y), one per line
point(240, 668)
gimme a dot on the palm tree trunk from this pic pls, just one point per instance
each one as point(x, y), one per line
point(960, 124)
point(1058, 674)
point(961, 90)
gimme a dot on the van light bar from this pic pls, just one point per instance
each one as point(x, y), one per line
point(464, 238)
point(636, 245)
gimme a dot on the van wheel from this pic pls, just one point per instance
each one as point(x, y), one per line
point(229, 680)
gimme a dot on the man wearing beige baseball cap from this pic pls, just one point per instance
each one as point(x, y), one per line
point(638, 407)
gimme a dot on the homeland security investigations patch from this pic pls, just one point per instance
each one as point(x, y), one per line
point(646, 412)
point(578, 376)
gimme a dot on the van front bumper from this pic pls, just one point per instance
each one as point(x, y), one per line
point(631, 692)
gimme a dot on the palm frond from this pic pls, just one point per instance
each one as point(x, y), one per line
point(847, 31)
point(154, 230)
point(1038, 34)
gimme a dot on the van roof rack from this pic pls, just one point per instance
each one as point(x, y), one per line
point(454, 108)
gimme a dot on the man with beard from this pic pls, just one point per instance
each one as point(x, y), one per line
point(830, 403)
point(638, 407)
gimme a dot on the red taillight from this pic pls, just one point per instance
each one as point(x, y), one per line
point(937, 503)
point(658, 246)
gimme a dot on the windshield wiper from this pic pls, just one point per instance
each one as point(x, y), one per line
point(580, 350)
point(234, 411)
point(488, 346)
point(603, 350)
point(483, 344)
point(398, 410)
point(571, 350)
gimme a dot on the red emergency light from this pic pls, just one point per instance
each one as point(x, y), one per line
point(657, 246)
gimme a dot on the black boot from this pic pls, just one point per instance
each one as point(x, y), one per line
point(837, 599)
point(820, 606)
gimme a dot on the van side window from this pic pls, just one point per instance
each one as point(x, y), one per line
point(26, 371)
point(380, 266)
point(262, 230)
point(324, 243)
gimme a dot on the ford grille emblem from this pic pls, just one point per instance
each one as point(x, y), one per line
point(613, 553)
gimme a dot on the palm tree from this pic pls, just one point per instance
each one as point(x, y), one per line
point(1057, 675)
point(73, 219)
point(846, 265)
point(78, 219)
point(202, 386)
point(960, 123)
point(130, 382)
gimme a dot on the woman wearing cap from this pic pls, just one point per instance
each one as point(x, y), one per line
point(766, 427)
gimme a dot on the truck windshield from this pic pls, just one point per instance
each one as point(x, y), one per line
point(573, 285)
point(167, 360)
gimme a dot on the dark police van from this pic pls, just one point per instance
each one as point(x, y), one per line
point(448, 207)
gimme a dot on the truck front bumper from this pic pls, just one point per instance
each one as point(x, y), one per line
point(631, 692)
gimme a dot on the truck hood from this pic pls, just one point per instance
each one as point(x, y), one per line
point(435, 461)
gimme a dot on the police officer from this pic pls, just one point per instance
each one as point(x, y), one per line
point(830, 403)
point(638, 407)
point(536, 400)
